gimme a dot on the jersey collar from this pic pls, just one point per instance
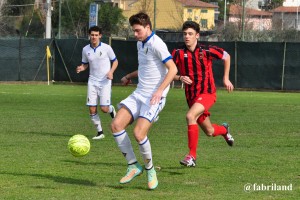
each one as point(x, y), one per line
point(96, 46)
point(148, 38)
point(198, 46)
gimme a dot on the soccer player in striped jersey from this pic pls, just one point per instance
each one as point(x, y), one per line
point(194, 63)
point(98, 56)
point(156, 70)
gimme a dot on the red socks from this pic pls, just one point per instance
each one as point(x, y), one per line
point(219, 130)
point(193, 134)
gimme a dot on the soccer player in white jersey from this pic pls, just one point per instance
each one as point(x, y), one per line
point(156, 71)
point(98, 56)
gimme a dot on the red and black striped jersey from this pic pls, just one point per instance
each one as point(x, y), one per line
point(198, 66)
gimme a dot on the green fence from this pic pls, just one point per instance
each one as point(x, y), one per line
point(274, 66)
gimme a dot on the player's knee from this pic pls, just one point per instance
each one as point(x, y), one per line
point(190, 117)
point(104, 109)
point(209, 131)
point(137, 135)
point(115, 126)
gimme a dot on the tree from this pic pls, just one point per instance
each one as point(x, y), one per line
point(75, 18)
point(111, 19)
point(22, 16)
point(15, 7)
point(2, 24)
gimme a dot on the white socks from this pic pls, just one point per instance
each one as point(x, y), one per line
point(145, 149)
point(125, 146)
point(110, 109)
point(96, 121)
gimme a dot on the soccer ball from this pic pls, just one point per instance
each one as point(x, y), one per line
point(79, 145)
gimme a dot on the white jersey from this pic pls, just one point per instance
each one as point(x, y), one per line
point(152, 55)
point(99, 60)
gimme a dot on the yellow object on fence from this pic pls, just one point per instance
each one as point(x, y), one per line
point(48, 52)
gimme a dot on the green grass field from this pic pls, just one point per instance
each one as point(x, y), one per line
point(37, 121)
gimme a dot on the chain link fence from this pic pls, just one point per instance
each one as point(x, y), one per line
point(257, 65)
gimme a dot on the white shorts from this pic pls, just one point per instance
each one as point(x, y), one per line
point(99, 90)
point(139, 106)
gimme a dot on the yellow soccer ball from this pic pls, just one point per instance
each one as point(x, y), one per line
point(79, 145)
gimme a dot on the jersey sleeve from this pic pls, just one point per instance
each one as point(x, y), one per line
point(175, 55)
point(84, 59)
point(216, 52)
point(111, 54)
point(161, 50)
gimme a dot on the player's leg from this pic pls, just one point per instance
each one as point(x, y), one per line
point(216, 130)
point(193, 134)
point(140, 133)
point(213, 129)
point(92, 102)
point(126, 115)
point(147, 116)
point(105, 98)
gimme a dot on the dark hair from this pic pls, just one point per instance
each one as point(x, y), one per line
point(95, 29)
point(141, 19)
point(191, 24)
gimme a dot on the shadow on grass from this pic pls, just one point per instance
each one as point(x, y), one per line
point(58, 179)
point(45, 134)
point(77, 162)
point(127, 187)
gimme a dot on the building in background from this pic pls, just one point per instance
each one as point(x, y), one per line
point(170, 14)
point(254, 19)
point(286, 17)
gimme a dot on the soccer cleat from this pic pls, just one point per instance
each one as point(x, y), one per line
point(113, 112)
point(188, 161)
point(152, 179)
point(99, 136)
point(228, 137)
point(132, 171)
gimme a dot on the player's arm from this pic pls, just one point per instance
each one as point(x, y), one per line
point(178, 77)
point(227, 83)
point(127, 78)
point(114, 65)
point(184, 79)
point(81, 67)
point(172, 71)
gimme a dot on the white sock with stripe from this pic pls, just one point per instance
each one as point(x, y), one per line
point(125, 146)
point(96, 121)
point(110, 109)
point(145, 149)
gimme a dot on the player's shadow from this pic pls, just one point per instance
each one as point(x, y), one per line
point(174, 171)
point(91, 163)
point(121, 187)
point(44, 134)
point(58, 179)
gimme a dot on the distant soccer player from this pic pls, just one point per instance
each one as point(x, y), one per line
point(98, 56)
point(194, 62)
point(156, 70)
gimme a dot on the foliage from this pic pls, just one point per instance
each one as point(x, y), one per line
point(18, 10)
point(276, 3)
point(32, 26)
point(110, 19)
point(12, 26)
point(75, 18)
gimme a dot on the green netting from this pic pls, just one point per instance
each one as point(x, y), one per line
point(253, 65)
